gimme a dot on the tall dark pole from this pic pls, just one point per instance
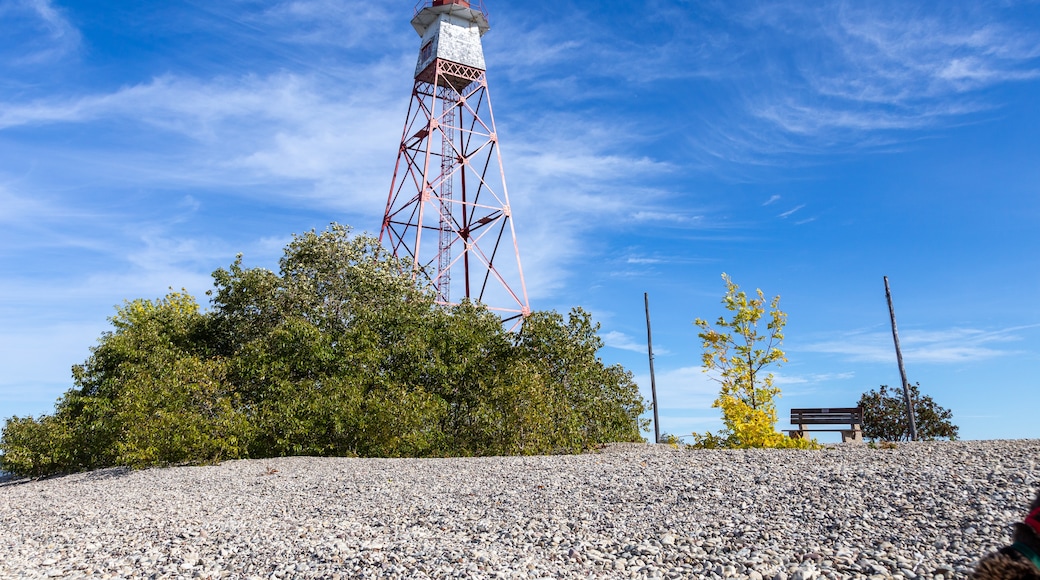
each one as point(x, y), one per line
point(653, 384)
point(902, 371)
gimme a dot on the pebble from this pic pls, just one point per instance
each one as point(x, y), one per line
point(923, 510)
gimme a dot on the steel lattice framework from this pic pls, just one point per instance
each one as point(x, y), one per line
point(448, 212)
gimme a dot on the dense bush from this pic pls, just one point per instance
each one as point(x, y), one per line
point(337, 354)
point(884, 416)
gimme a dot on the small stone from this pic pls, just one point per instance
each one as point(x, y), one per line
point(498, 517)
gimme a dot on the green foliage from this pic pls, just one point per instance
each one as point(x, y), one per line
point(36, 447)
point(145, 396)
point(339, 353)
point(672, 440)
point(884, 416)
point(589, 403)
point(738, 354)
point(709, 440)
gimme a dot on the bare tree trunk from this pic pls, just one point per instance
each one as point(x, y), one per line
point(902, 371)
point(653, 384)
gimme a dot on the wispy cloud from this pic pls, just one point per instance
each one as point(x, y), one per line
point(328, 22)
point(791, 211)
point(36, 32)
point(811, 379)
point(637, 258)
point(889, 66)
point(677, 217)
point(615, 339)
point(299, 139)
point(572, 181)
point(682, 390)
point(954, 345)
point(19, 209)
point(643, 260)
point(239, 132)
point(620, 340)
point(909, 55)
point(534, 47)
point(852, 77)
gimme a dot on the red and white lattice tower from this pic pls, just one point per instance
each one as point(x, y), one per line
point(448, 211)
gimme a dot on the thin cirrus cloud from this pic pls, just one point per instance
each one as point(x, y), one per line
point(811, 379)
point(884, 69)
point(956, 345)
point(530, 52)
point(840, 77)
point(19, 210)
point(299, 136)
point(573, 180)
point(881, 73)
point(683, 389)
point(676, 217)
point(236, 132)
point(643, 260)
point(327, 22)
point(911, 59)
point(36, 33)
point(620, 340)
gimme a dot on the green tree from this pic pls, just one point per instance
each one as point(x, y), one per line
point(147, 395)
point(337, 353)
point(37, 447)
point(884, 416)
point(590, 402)
point(331, 354)
point(737, 354)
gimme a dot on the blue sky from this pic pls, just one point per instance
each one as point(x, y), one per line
point(805, 148)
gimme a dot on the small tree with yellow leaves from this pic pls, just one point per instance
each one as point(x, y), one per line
point(737, 355)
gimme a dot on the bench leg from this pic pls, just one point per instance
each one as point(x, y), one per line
point(855, 435)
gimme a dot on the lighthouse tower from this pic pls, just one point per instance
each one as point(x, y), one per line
point(448, 212)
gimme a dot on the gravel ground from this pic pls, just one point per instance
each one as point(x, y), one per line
point(923, 510)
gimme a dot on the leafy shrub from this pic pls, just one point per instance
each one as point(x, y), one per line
point(884, 416)
point(339, 353)
point(739, 354)
point(36, 447)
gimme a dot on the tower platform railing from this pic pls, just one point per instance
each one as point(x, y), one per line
point(474, 4)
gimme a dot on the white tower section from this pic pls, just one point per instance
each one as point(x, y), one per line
point(450, 31)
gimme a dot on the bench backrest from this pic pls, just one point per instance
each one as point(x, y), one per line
point(832, 416)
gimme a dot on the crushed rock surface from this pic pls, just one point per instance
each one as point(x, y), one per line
point(923, 510)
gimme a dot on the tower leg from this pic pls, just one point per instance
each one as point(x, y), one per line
point(449, 165)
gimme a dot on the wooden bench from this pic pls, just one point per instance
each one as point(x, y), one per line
point(850, 416)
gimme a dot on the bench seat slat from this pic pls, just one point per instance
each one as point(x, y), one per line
point(849, 416)
point(846, 420)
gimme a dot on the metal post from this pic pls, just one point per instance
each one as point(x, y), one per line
point(653, 384)
point(902, 371)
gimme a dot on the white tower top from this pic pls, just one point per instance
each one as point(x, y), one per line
point(451, 31)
